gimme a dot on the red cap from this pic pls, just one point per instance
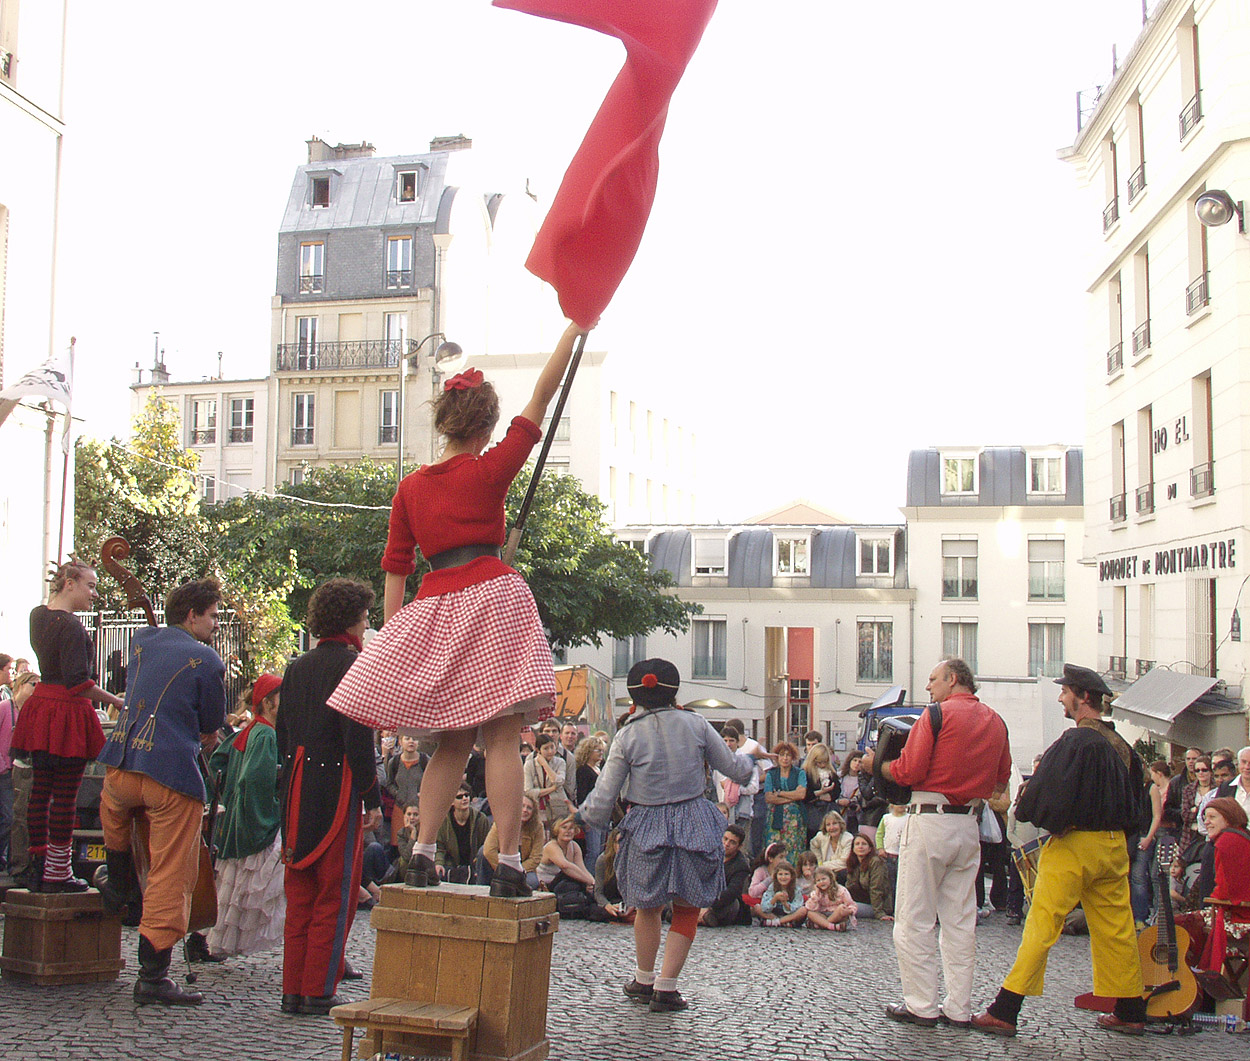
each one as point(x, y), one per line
point(265, 685)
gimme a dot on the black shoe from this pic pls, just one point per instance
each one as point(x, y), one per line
point(290, 1004)
point(422, 873)
point(639, 992)
point(350, 973)
point(898, 1011)
point(196, 950)
point(320, 1005)
point(63, 887)
point(509, 883)
point(962, 1025)
point(1013, 919)
point(154, 986)
point(667, 1002)
point(32, 876)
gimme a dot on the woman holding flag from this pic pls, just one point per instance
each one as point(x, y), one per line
point(468, 657)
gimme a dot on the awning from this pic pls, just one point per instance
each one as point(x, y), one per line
point(1183, 709)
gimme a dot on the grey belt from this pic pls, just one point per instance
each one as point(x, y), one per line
point(462, 554)
point(937, 808)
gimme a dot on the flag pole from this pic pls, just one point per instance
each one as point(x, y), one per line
point(514, 535)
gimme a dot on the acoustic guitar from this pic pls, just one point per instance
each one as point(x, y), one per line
point(1171, 988)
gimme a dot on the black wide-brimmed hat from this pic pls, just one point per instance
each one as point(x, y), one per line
point(653, 683)
point(1084, 680)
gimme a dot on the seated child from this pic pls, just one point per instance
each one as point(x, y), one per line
point(782, 904)
point(806, 865)
point(830, 905)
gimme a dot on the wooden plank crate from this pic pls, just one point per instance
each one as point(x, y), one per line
point(457, 946)
point(59, 939)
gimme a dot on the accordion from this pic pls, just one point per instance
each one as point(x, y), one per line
point(891, 736)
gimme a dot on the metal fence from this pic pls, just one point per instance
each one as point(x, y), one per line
point(111, 632)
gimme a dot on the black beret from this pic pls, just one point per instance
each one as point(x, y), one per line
point(653, 683)
point(1084, 679)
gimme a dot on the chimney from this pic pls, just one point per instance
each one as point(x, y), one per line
point(318, 150)
point(136, 376)
point(160, 374)
point(364, 149)
point(459, 142)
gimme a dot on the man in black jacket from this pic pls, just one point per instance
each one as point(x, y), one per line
point(729, 909)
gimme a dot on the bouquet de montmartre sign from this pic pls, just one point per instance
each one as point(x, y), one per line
point(1213, 555)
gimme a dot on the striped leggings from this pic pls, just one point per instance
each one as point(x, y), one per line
point(50, 812)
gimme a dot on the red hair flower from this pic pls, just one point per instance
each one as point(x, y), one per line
point(463, 381)
point(650, 681)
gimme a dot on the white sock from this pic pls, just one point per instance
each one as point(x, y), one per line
point(511, 861)
point(646, 978)
point(428, 850)
point(666, 983)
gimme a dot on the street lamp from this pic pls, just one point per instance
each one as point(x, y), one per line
point(1217, 207)
point(445, 352)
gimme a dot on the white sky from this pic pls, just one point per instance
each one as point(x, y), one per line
point(863, 242)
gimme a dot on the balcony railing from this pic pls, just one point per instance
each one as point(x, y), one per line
point(1136, 182)
point(398, 278)
point(1196, 295)
point(1119, 511)
point(302, 436)
point(1118, 666)
point(356, 353)
point(388, 434)
point(312, 283)
point(1191, 115)
point(240, 434)
point(1202, 480)
point(1146, 499)
point(1144, 666)
point(1111, 213)
point(1141, 337)
point(204, 438)
point(1115, 359)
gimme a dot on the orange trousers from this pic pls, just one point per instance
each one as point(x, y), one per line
point(173, 847)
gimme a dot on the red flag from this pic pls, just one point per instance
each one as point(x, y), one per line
point(595, 224)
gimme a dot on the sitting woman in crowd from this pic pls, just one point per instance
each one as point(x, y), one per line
point(544, 782)
point(251, 897)
point(532, 840)
point(562, 866)
point(805, 866)
point(866, 880)
point(785, 786)
point(460, 837)
point(829, 905)
point(379, 867)
point(1193, 829)
point(762, 871)
point(607, 890)
point(849, 789)
point(832, 845)
point(823, 787)
point(782, 904)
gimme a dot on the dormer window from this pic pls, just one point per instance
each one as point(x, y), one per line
point(1046, 474)
point(790, 556)
point(959, 473)
point(406, 186)
point(320, 192)
point(709, 554)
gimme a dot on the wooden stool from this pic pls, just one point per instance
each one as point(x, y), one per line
point(413, 1027)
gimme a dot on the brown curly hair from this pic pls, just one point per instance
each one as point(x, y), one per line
point(464, 414)
point(336, 606)
point(191, 598)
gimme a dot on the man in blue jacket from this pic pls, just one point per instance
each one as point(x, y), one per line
point(175, 703)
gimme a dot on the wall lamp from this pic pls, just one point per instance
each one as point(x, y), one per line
point(1217, 207)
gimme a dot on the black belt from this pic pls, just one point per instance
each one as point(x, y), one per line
point(462, 554)
point(937, 808)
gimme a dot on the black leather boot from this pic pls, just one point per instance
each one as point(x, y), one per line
point(197, 949)
point(422, 873)
point(32, 876)
point(154, 985)
point(119, 887)
point(509, 883)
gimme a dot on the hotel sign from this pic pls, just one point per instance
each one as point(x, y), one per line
point(1211, 555)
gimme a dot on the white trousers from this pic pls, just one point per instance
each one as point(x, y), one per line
point(937, 866)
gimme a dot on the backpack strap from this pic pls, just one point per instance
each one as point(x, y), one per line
point(935, 721)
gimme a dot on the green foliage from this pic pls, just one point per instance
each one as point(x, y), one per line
point(145, 491)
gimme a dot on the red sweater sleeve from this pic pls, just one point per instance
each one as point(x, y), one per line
point(502, 461)
point(401, 547)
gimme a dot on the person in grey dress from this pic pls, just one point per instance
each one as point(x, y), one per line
point(670, 848)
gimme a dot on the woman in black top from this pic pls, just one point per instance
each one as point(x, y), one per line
point(58, 728)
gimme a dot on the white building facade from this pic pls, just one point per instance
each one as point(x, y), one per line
point(1168, 379)
point(31, 131)
point(995, 538)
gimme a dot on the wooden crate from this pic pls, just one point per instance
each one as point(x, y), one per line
point(456, 945)
point(59, 939)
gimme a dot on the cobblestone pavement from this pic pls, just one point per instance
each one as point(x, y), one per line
point(792, 995)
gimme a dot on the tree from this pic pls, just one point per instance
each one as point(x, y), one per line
point(333, 524)
point(145, 490)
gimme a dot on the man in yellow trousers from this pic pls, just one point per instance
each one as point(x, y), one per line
point(1088, 793)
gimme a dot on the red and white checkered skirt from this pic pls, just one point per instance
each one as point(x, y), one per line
point(453, 662)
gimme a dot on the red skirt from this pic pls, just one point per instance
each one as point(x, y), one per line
point(60, 722)
point(453, 662)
